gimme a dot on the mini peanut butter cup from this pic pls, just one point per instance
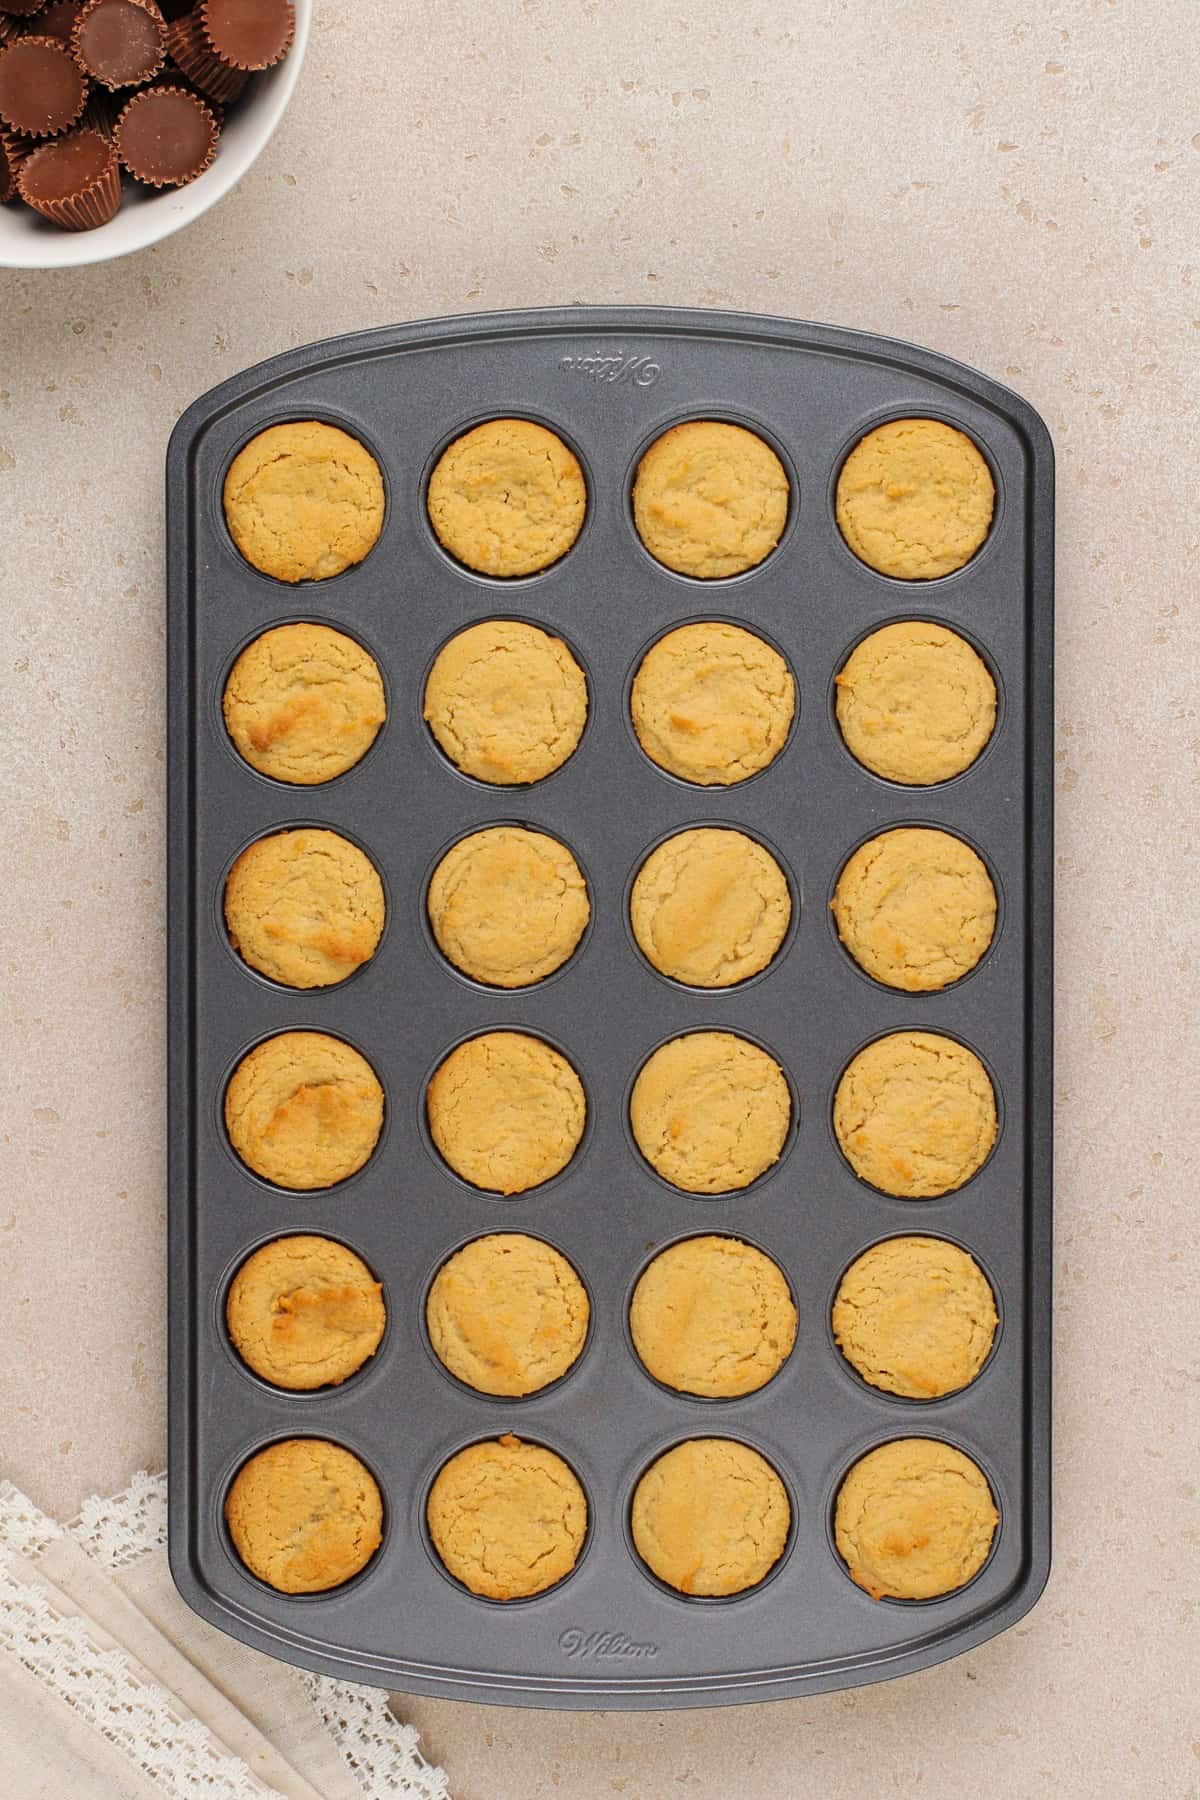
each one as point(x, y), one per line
point(73, 180)
point(14, 150)
point(42, 91)
point(120, 43)
point(58, 20)
point(166, 136)
point(248, 34)
point(189, 50)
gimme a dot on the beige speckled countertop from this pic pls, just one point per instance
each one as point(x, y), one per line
point(1013, 183)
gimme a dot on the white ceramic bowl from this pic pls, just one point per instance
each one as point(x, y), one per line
point(28, 241)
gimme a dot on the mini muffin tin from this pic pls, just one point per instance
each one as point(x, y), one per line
point(608, 381)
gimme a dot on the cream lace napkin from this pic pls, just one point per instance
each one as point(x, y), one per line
point(111, 1686)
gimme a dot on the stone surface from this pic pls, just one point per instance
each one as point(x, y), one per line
point(1014, 184)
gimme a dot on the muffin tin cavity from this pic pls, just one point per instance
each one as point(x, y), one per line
point(510, 1097)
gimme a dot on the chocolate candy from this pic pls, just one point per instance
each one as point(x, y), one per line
point(120, 42)
point(41, 90)
point(248, 34)
point(73, 180)
point(190, 51)
point(166, 136)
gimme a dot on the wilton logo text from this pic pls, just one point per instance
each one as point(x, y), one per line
point(639, 370)
point(576, 1643)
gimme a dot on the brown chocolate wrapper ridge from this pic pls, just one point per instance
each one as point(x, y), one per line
point(188, 47)
point(22, 9)
point(14, 150)
point(147, 6)
point(223, 53)
point(58, 20)
point(137, 99)
point(93, 206)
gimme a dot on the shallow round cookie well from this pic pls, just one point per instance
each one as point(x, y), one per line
point(506, 1316)
point(304, 1516)
point(528, 1526)
point(303, 907)
point(302, 1111)
point(304, 500)
point(710, 1317)
point(507, 906)
point(711, 1113)
point(710, 1520)
point(711, 498)
point(302, 703)
point(712, 702)
point(485, 1081)
point(916, 702)
point(506, 701)
point(916, 908)
point(303, 1313)
point(507, 498)
point(914, 1317)
point(916, 1114)
point(914, 498)
point(711, 907)
point(912, 1520)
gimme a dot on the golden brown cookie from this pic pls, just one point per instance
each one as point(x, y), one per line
point(712, 703)
point(303, 1110)
point(304, 907)
point(305, 1312)
point(914, 1518)
point(304, 1515)
point(508, 905)
point(508, 1519)
point(915, 1114)
point(506, 702)
point(915, 702)
point(506, 1111)
point(507, 1314)
point(507, 498)
point(710, 907)
point(915, 1316)
point(303, 703)
point(303, 501)
point(915, 908)
point(711, 1516)
point(713, 1316)
point(710, 1111)
point(915, 499)
point(710, 499)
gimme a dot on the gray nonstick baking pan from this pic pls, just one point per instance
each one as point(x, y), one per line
point(608, 380)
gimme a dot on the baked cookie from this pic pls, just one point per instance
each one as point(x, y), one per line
point(915, 908)
point(508, 905)
point(710, 1112)
point(915, 1316)
point(710, 907)
point(710, 499)
point(304, 1515)
point(915, 1114)
point(712, 703)
point(303, 501)
point(914, 1518)
point(303, 1110)
point(711, 1516)
point(713, 1316)
point(507, 1314)
point(304, 1312)
point(303, 703)
point(915, 703)
point(304, 907)
point(506, 1111)
point(507, 498)
point(506, 702)
point(915, 499)
point(508, 1519)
